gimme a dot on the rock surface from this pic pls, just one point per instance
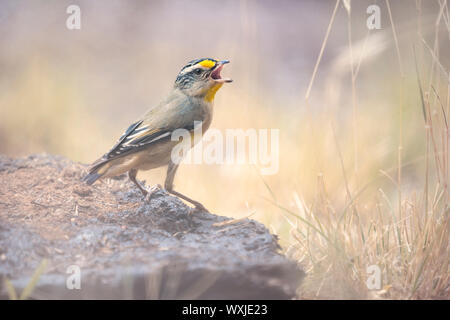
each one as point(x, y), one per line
point(126, 248)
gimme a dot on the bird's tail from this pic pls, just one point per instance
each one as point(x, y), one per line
point(96, 171)
point(91, 177)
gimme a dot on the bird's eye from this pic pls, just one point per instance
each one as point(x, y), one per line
point(198, 71)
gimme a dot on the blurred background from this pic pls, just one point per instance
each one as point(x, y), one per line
point(73, 92)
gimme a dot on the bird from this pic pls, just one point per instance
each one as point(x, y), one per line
point(146, 144)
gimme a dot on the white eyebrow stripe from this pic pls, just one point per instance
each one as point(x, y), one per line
point(195, 66)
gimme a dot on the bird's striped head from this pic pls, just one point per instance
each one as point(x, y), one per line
point(201, 78)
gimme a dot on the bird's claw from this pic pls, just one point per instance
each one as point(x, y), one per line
point(198, 208)
point(151, 191)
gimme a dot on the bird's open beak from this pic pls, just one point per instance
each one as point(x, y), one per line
point(215, 75)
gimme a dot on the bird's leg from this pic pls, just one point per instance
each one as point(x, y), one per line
point(132, 175)
point(168, 185)
point(147, 194)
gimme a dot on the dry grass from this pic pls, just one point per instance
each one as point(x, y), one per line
point(406, 239)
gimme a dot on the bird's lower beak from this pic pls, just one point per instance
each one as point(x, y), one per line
point(215, 75)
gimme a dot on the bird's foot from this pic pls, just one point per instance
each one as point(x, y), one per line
point(198, 208)
point(151, 192)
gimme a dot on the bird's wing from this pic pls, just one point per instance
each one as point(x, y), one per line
point(137, 137)
point(156, 126)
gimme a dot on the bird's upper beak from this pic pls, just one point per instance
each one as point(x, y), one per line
point(215, 75)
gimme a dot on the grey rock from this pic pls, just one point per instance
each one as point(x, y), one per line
point(127, 248)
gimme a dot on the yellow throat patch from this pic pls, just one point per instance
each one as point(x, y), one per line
point(212, 92)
